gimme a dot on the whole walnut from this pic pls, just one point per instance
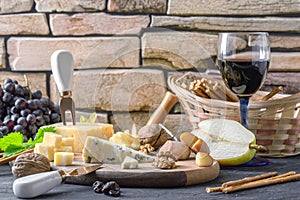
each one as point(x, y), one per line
point(30, 163)
point(152, 134)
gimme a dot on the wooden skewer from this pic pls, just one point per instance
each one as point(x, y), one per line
point(272, 93)
point(10, 158)
point(249, 179)
point(263, 182)
point(255, 181)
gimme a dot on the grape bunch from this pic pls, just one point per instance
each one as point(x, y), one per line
point(24, 111)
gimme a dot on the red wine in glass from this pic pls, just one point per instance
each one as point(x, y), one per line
point(243, 60)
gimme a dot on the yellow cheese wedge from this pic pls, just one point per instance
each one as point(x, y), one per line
point(63, 158)
point(63, 149)
point(68, 141)
point(52, 139)
point(45, 149)
point(81, 130)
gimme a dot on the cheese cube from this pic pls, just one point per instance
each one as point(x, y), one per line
point(52, 139)
point(81, 130)
point(67, 141)
point(63, 149)
point(129, 163)
point(45, 149)
point(63, 158)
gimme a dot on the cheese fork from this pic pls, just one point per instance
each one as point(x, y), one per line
point(62, 65)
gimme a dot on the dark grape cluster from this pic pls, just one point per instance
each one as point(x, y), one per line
point(24, 111)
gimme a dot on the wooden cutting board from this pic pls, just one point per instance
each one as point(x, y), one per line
point(185, 173)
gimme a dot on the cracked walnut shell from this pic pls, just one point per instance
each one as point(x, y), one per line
point(164, 160)
point(30, 163)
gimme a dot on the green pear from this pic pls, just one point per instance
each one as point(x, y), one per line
point(229, 142)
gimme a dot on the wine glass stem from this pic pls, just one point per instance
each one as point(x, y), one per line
point(244, 101)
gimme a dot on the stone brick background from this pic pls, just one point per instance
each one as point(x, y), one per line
point(124, 50)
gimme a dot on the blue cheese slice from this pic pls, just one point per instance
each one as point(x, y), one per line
point(107, 152)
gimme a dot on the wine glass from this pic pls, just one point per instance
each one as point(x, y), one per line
point(243, 60)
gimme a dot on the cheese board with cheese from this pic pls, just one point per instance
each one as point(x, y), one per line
point(184, 174)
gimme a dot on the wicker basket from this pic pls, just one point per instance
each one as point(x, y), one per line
point(276, 123)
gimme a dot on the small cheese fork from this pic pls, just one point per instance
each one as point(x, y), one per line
point(62, 65)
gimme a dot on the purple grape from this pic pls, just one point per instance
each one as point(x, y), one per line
point(10, 124)
point(37, 112)
point(14, 110)
point(15, 117)
point(31, 119)
point(7, 80)
point(4, 130)
point(7, 97)
point(18, 128)
point(32, 105)
point(19, 91)
point(37, 94)
point(22, 121)
point(25, 112)
point(9, 87)
point(21, 103)
point(40, 121)
point(54, 118)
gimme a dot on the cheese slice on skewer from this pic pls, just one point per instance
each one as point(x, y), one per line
point(107, 152)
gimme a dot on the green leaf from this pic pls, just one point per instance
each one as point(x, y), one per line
point(92, 117)
point(11, 141)
point(82, 119)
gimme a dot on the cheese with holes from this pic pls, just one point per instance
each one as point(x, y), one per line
point(129, 163)
point(107, 152)
point(63, 158)
point(82, 130)
point(45, 149)
point(52, 139)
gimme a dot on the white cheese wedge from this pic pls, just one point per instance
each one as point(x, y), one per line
point(52, 139)
point(107, 152)
point(63, 158)
point(81, 130)
point(129, 163)
point(45, 149)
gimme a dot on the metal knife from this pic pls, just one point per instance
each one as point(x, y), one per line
point(62, 65)
point(37, 184)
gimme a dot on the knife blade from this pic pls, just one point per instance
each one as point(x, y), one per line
point(62, 66)
point(37, 184)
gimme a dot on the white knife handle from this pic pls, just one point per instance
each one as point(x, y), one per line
point(37, 184)
point(62, 65)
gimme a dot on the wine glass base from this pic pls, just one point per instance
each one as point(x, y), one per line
point(256, 162)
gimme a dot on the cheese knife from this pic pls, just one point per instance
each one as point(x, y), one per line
point(37, 184)
point(62, 65)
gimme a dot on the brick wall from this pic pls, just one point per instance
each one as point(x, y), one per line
point(124, 50)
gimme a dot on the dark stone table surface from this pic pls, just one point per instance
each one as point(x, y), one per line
point(286, 191)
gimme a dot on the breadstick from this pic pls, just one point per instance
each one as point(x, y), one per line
point(249, 179)
point(260, 183)
point(272, 93)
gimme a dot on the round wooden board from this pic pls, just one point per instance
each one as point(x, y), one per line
point(185, 173)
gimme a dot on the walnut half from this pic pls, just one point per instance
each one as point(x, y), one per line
point(164, 160)
point(30, 163)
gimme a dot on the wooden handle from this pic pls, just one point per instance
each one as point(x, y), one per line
point(10, 158)
point(62, 68)
point(163, 109)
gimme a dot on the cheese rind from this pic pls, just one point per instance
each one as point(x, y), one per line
point(129, 163)
point(63, 158)
point(107, 152)
point(81, 131)
point(45, 149)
